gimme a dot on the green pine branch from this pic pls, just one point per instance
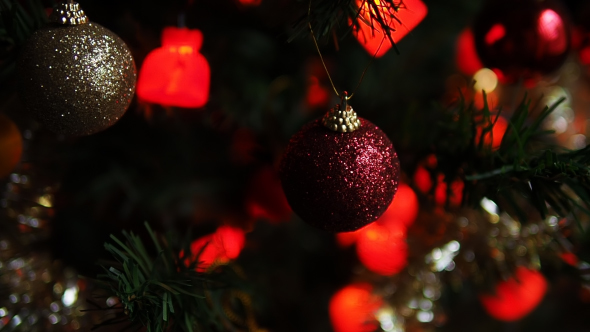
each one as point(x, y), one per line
point(165, 292)
point(526, 171)
point(18, 21)
point(327, 16)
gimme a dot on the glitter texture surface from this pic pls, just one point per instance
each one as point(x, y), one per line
point(339, 182)
point(76, 80)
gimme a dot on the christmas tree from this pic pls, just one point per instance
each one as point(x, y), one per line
point(324, 165)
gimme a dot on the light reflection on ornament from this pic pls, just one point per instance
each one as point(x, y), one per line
point(517, 296)
point(176, 74)
point(410, 13)
point(353, 309)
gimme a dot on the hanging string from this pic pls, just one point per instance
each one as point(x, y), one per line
point(347, 97)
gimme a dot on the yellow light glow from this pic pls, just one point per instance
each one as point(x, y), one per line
point(485, 79)
point(185, 49)
point(45, 200)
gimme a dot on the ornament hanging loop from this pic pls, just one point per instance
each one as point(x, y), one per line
point(342, 118)
point(344, 100)
point(324, 63)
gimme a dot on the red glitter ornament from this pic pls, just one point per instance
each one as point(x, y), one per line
point(340, 181)
point(522, 39)
point(176, 74)
point(353, 309)
point(517, 296)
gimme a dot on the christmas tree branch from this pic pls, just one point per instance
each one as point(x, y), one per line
point(525, 166)
point(325, 16)
point(18, 21)
point(166, 292)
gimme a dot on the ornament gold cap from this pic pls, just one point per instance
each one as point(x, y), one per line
point(68, 13)
point(342, 118)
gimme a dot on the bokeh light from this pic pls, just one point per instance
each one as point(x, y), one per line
point(467, 60)
point(410, 15)
point(220, 247)
point(485, 79)
point(353, 309)
point(383, 249)
point(517, 296)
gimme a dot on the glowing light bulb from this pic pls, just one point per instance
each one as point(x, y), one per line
point(485, 79)
point(220, 247)
point(407, 17)
point(353, 309)
point(516, 297)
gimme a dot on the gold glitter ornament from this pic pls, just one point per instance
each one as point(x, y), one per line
point(77, 78)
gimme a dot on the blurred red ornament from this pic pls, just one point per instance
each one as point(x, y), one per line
point(467, 59)
point(517, 296)
point(442, 192)
point(11, 145)
point(522, 39)
point(220, 247)
point(382, 248)
point(266, 198)
point(176, 74)
point(353, 309)
point(401, 20)
point(493, 138)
